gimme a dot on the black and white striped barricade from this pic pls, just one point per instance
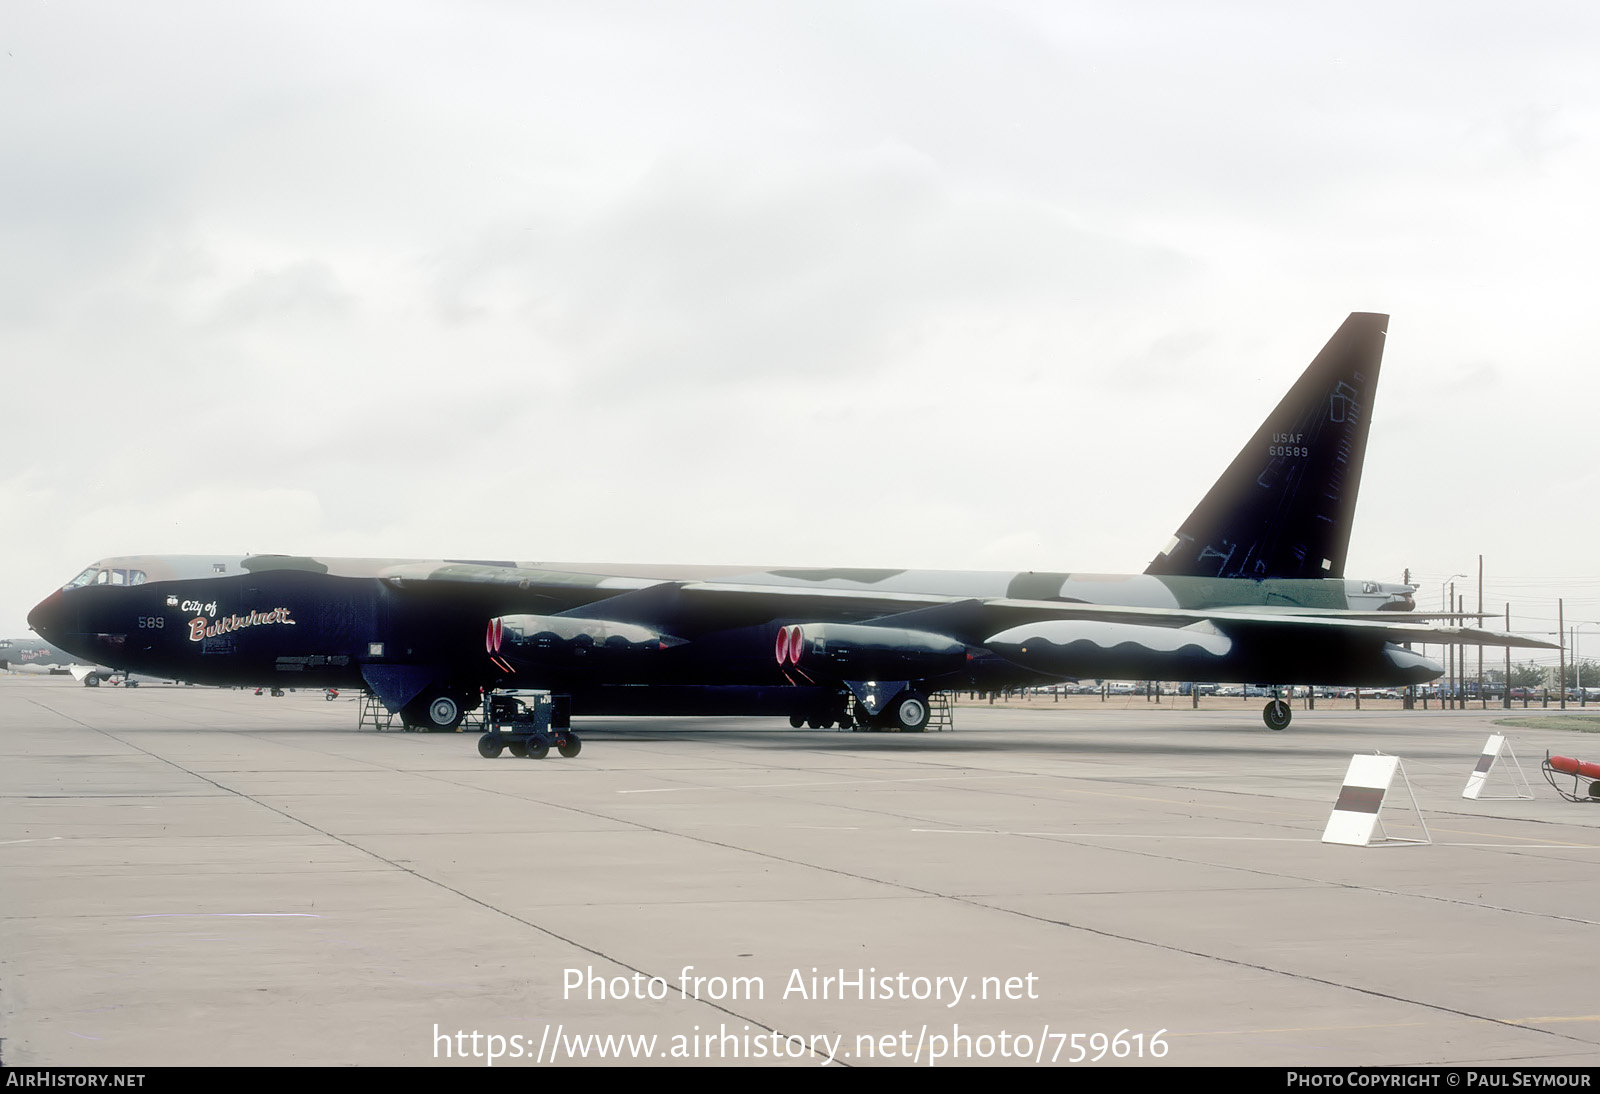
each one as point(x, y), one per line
point(1493, 749)
point(1355, 815)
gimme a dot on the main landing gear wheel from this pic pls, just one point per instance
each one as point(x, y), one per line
point(910, 713)
point(445, 712)
point(91, 681)
point(436, 711)
point(1276, 714)
point(490, 746)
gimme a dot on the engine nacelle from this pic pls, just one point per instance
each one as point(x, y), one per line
point(1120, 651)
point(1409, 667)
point(853, 651)
point(539, 637)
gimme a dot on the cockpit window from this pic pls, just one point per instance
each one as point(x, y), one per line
point(96, 576)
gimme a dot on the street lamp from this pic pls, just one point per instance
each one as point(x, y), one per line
point(1450, 654)
point(1577, 664)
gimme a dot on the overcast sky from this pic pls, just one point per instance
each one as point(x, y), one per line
point(961, 285)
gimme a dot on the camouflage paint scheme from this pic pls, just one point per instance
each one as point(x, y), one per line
point(29, 655)
point(313, 621)
point(1250, 589)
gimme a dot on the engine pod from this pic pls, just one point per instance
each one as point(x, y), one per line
point(1120, 651)
point(853, 651)
point(546, 634)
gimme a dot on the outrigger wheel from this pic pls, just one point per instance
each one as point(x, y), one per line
point(1277, 714)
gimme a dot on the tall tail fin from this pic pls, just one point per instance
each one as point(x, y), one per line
point(1285, 506)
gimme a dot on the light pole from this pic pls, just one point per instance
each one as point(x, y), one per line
point(1577, 662)
point(1449, 600)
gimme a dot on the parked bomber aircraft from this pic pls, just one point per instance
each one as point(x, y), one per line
point(29, 655)
point(1251, 587)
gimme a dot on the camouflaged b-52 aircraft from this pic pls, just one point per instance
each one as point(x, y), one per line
point(41, 658)
point(1251, 588)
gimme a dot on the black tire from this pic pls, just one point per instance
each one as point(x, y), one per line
point(572, 747)
point(538, 748)
point(445, 711)
point(490, 746)
point(1277, 715)
point(910, 712)
point(91, 681)
point(796, 721)
point(437, 711)
point(518, 749)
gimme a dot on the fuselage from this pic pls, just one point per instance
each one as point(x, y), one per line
point(320, 622)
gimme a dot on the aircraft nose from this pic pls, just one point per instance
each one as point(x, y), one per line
point(48, 616)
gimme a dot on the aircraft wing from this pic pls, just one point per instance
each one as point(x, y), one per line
point(1398, 633)
point(405, 575)
point(688, 608)
point(1373, 625)
point(681, 607)
point(684, 608)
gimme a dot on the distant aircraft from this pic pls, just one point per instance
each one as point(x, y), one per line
point(1251, 588)
point(41, 658)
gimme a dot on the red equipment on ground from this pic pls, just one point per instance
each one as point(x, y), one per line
point(1580, 771)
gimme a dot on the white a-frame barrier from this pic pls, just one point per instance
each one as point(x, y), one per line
point(1492, 750)
point(1355, 815)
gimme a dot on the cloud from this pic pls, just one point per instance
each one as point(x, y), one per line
point(880, 283)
